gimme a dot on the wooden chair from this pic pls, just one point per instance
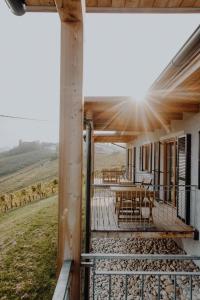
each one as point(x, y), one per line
point(146, 183)
point(130, 204)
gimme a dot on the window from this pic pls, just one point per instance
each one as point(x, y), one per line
point(146, 158)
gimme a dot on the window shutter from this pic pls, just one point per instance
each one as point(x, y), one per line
point(157, 163)
point(199, 164)
point(141, 158)
point(150, 157)
point(127, 162)
point(130, 165)
point(134, 164)
point(184, 178)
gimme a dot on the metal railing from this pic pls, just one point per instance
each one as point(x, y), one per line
point(106, 176)
point(111, 278)
point(129, 206)
point(62, 291)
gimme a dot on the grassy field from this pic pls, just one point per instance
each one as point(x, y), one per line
point(28, 235)
point(28, 241)
point(44, 171)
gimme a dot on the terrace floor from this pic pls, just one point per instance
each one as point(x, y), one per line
point(165, 222)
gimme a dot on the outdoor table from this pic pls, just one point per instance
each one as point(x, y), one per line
point(135, 196)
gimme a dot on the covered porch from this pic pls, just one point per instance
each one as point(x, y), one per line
point(152, 196)
point(134, 214)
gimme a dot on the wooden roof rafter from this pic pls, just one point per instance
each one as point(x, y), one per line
point(113, 138)
point(126, 115)
point(70, 11)
point(123, 6)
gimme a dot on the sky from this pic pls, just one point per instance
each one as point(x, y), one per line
point(123, 55)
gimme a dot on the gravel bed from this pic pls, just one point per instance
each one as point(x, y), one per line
point(134, 283)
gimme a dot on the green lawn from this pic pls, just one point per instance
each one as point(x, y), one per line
point(28, 241)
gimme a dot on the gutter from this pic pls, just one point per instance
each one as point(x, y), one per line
point(185, 56)
point(17, 7)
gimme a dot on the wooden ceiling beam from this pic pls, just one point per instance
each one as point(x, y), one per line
point(173, 107)
point(172, 115)
point(122, 6)
point(121, 127)
point(70, 10)
point(103, 115)
point(115, 132)
point(113, 139)
point(125, 115)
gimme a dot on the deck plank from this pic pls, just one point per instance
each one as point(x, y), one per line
point(165, 221)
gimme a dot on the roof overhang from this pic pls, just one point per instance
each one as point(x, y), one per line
point(120, 6)
point(175, 92)
point(123, 114)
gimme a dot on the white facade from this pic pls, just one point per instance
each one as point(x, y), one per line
point(189, 125)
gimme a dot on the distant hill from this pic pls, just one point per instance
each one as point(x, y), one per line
point(109, 156)
point(106, 148)
point(26, 164)
point(32, 162)
point(25, 155)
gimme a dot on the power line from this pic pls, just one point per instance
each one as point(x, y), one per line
point(21, 118)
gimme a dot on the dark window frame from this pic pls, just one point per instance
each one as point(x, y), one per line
point(199, 161)
point(146, 152)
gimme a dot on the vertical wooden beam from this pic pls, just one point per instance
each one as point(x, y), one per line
point(70, 167)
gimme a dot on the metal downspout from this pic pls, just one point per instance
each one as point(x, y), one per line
point(88, 202)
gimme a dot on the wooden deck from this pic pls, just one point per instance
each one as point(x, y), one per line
point(165, 222)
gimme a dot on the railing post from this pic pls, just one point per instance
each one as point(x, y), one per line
point(88, 184)
point(88, 201)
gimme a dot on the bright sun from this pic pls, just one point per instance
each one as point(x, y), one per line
point(140, 94)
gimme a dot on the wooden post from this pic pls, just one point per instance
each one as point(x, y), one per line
point(70, 167)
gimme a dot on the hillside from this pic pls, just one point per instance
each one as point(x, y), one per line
point(29, 163)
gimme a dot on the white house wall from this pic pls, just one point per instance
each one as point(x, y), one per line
point(191, 125)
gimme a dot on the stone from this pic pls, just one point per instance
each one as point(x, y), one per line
point(138, 245)
point(169, 288)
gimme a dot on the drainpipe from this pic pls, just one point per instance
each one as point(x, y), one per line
point(88, 201)
point(88, 183)
point(16, 6)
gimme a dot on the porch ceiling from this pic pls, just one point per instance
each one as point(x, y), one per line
point(113, 138)
point(176, 91)
point(123, 5)
point(124, 114)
